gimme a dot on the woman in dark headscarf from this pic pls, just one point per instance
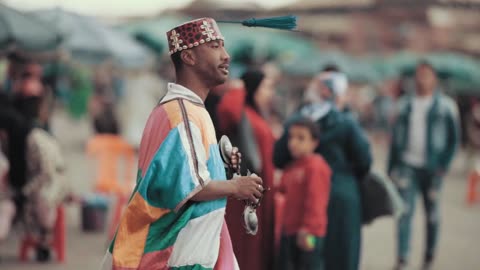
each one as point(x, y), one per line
point(36, 168)
point(346, 149)
point(252, 252)
point(17, 129)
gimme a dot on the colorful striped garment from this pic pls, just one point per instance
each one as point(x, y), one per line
point(161, 228)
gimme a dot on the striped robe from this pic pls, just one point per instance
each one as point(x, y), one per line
point(161, 228)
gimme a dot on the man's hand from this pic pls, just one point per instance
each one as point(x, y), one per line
point(242, 188)
point(236, 158)
point(248, 188)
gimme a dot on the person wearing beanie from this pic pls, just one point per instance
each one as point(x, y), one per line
point(346, 149)
point(175, 217)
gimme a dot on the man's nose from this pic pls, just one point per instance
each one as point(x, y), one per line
point(225, 55)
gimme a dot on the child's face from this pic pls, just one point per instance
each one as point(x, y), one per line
point(301, 141)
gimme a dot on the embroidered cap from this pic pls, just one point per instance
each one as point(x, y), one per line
point(192, 34)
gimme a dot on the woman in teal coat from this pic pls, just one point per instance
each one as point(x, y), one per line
point(345, 147)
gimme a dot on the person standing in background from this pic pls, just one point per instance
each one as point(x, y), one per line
point(46, 186)
point(346, 149)
point(305, 184)
point(7, 206)
point(425, 137)
point(253, 252)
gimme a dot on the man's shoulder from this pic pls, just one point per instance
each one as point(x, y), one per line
point(179, 106)
point(447, 104)
point(165, 116)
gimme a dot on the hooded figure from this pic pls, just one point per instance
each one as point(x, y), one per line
point(346, 149)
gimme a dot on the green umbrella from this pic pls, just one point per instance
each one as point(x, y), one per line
point(403, 61)
point(267, 43)
point(90, 41)
point(22, 33)
point(153, 31)
point(357, 70)
point(150, 42)
point(455, 66)
point(460, 73)
point(386, 68)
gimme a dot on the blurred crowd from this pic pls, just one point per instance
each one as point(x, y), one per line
point(307, 138)
point(32, 175)
point(307, 221)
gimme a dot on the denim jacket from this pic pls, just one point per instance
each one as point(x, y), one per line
point(443, 133)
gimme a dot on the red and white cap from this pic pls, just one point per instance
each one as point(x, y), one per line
point(192, 34)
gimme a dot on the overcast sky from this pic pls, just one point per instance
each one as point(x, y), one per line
point(111, 8)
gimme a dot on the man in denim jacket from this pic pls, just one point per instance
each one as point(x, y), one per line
point(425, 137)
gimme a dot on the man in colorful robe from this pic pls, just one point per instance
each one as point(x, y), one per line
point(175, 217)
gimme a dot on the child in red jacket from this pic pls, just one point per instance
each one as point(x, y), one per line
point(306, 186)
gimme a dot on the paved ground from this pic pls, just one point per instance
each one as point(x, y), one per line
point(458, 245)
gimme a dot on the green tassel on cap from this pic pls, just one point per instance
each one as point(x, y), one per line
point(283, 22)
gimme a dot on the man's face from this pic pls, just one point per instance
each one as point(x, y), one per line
point(426, 79)
point(212, 62)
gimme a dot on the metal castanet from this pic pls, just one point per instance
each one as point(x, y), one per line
point(249, 213)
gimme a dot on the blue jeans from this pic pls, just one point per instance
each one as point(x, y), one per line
point(409, 181)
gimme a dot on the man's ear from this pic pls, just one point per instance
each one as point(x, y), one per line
point(188, 57)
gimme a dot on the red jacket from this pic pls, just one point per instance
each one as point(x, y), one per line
point(306, 185)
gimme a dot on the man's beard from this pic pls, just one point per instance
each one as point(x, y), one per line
point(212, 77)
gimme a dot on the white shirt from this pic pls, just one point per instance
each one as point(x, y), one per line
point(415, 154)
